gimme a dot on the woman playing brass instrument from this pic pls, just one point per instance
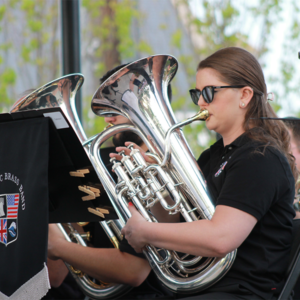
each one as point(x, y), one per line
point(250, 173)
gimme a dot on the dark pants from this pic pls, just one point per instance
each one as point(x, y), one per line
point(231, 291)
point(222, 295)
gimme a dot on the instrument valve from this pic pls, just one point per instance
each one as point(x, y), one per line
point(115, 163)
point(113, 160)
point(122, 153)
point(130, 147)
point(134, 151)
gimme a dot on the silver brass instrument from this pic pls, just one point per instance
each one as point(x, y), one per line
point(139, 92)
point(61, 93)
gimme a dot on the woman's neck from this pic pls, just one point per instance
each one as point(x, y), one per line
point(230, 137)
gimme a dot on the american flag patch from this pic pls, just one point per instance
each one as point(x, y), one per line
point(12, 206)
point(221, 169)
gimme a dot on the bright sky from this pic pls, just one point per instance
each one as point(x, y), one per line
point(290, 105)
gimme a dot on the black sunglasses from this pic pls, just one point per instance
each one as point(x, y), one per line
point(208, 92)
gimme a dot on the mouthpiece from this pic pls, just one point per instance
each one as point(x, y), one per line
point(108, 126)
point(201, 115)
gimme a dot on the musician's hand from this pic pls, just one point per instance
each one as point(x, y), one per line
point(55, 237)
point(133, 230)
point(127, 152)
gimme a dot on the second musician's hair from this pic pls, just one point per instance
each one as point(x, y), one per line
point(294, 126)
point(239, 67)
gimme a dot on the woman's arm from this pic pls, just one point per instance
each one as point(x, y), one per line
point(109, 265)
point(226, 231)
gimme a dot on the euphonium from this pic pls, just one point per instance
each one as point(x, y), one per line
point(139, 92)
point(61, 93)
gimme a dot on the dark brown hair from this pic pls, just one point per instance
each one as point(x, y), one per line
point(239, 67)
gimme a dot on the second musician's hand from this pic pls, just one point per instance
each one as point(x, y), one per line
point(55, 239)
point(134, 229)
point(127, 152)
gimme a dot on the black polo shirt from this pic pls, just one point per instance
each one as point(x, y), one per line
point(259, 181)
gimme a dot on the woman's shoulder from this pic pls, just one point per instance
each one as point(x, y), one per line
point(258, 142)
point(253, 148)
point(268, 152)
point(266, 159)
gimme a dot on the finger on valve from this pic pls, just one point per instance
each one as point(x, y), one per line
point(122, 148)
point(145, 155)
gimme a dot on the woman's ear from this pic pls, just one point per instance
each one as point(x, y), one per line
point(246, 96)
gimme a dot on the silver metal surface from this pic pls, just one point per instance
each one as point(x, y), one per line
point(61, 93)
point(139, 92)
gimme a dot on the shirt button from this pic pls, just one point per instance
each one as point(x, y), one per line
point(230, 148)
point(223, 157)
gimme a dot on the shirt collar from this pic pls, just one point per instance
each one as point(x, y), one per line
point(238, 142)
point(241, 140)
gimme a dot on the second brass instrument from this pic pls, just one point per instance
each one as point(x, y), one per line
point(61, 93)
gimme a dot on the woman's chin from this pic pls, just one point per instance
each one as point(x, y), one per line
point(209, 123)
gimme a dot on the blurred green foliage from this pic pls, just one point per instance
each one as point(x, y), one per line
point(108, 30)
point(28, 29)
point(113, 20)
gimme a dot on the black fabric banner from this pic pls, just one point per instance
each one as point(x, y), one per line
point(23, 201)
point(66, 154)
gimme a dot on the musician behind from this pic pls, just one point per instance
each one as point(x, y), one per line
point(293, 125)
point(110, 264)
point(251, 175)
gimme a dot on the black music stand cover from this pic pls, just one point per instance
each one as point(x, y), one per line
point(66, 154)
point(24, 207)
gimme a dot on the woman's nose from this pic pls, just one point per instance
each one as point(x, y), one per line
point(201, 101)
